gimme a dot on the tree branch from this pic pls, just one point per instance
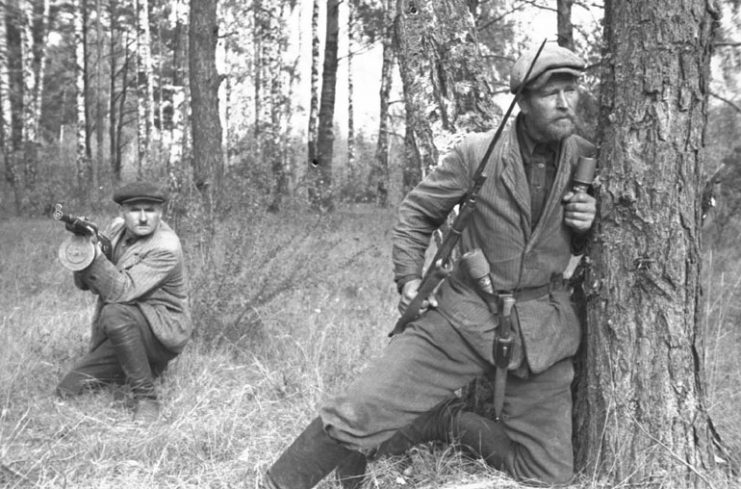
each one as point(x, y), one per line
point(729, 102)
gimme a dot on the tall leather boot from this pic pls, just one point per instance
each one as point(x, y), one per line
point(351, 472)
point(448, 422)
point(127, 343)
point(308, 460)
point(485, 437)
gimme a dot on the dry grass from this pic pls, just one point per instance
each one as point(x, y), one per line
point(289, 309)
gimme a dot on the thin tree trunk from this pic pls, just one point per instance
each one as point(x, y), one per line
point(11, 171)
point(313, 130)
point(145, 87)
point(112, 134)
point(99, 102)
point(30, 163)
point(643, 418)
point(81, 152)
point(379, 174)
point(350, 107)
point(320, 173)
point(179, 115)
point(563, 23)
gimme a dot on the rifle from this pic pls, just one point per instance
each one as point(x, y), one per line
point(77, 252)
point(441, 265)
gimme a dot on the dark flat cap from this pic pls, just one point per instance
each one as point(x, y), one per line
point(139, 192)
point(553, 59)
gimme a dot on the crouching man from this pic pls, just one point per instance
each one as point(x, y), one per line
point(141, 320)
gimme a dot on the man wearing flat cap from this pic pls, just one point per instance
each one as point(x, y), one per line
point(141, 320)
point(526, 223)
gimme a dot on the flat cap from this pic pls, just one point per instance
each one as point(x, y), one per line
point(139, 192)
point(553, 59)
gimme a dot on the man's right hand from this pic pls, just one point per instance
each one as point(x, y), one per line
point(409, 292)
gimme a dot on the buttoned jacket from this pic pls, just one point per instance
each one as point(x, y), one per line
point(520, 256)
point(150, 274)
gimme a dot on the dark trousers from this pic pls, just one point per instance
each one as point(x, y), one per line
point(129, 353)
point(423, 367)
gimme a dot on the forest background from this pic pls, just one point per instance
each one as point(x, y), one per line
point(287, 132)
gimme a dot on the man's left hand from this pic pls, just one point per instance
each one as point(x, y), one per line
point(579, 210)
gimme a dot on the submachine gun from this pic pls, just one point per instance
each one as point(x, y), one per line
point(77, 251)
point(441, 265)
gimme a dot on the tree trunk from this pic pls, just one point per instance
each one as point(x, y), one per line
point(444, 77)
point(204, 89)
point(81, 134)
point(563, 23)
point(379, 174)
point(145, 86)
point(320, 171)
point(179, 107)
point(313, 132)
point(99, 101)
point(29, 74)
point(643, 419)
point(11, 171)
point(350, 108)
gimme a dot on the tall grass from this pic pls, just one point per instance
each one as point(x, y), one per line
point(288, 310)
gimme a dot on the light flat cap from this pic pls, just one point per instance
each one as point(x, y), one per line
point(139, 192)
point(553, 59)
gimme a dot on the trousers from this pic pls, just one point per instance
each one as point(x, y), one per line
point(129, 353)
point(424, 366)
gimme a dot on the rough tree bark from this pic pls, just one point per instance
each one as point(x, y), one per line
point(204, 88)
point(444, 77)
point(642, 413)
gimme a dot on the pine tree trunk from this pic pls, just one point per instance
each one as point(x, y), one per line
point(444, 77)
point(204, 89)
point(320, 172)
point(99, 101)
point(379, 174)
point(643, 419)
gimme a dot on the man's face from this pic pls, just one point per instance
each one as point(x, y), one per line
point(550, 110)
point(141, 218)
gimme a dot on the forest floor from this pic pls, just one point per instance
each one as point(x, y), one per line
point(288, 309)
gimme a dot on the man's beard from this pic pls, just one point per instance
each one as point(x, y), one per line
point(555, 131)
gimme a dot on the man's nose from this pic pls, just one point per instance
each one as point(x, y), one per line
point(562, 101)
point(142, 216)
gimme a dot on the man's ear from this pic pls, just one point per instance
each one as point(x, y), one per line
point(524, 104)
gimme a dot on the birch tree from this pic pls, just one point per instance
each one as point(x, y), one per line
point(379, 173)
point(644, 417)
point(313, 124)
point(444, 78)
point(145, 85)
point(81, 155)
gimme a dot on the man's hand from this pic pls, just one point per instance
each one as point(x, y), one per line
point(409, 292)
point(579, 210)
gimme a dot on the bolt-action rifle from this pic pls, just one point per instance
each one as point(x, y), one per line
point(441, 265)
point(77, 252)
